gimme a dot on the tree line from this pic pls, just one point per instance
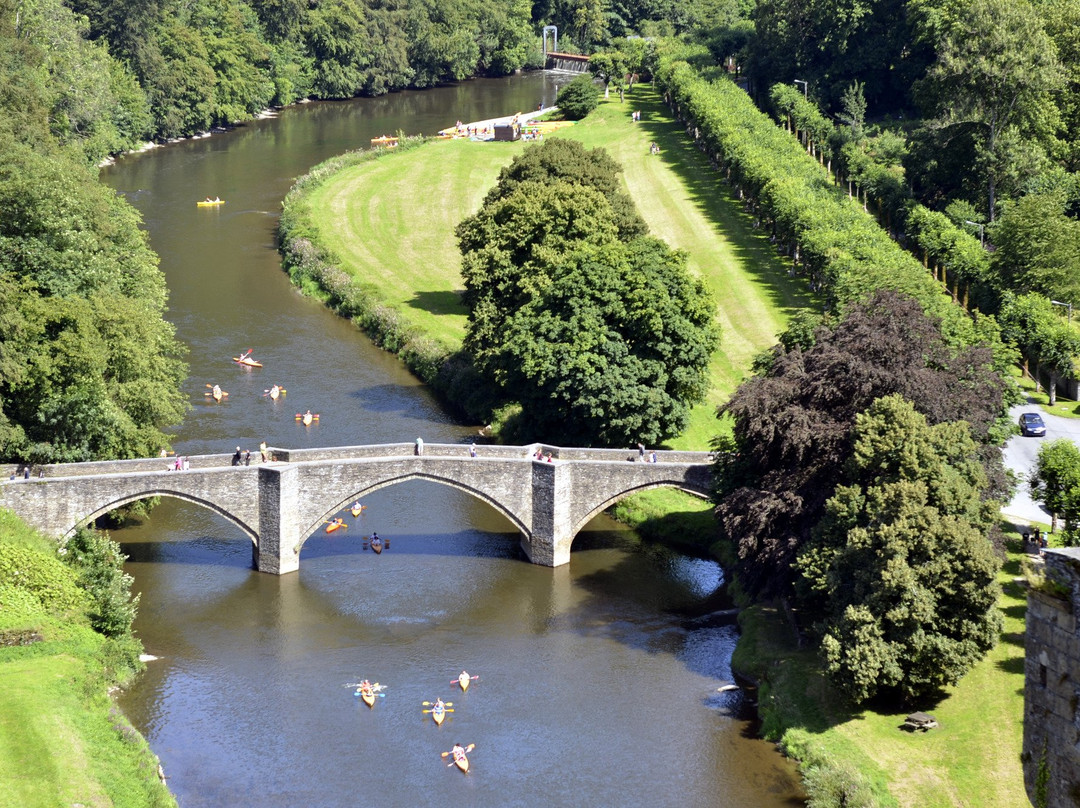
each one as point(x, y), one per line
point(862, 474)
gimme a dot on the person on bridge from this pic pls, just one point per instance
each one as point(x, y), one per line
point(262, 451)
point(236, 457)
point(419, 446)
point(472, 450)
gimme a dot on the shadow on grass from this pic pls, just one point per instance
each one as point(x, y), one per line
point(443, 302)
point(719, 205)
point(1013, 665)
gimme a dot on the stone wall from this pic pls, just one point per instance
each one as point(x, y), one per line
point(1051, 755)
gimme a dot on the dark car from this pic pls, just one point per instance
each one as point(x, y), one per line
point(1031, 425)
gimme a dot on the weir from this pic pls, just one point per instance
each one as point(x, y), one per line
point(548, 492)
point(567, 62)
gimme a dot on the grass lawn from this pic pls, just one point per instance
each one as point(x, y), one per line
point(972, 759)
point(390, 222)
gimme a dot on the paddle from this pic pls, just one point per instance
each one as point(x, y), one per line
point(458, 681)
point(447, 710)
point(431, 703)
point(468, 749)
point(380, 695)
point(281, 391)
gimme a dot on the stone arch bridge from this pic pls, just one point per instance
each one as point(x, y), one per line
point(280, 503)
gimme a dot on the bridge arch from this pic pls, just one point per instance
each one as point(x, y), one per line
point(128, 498)
point(602, 506)
point(476, 493)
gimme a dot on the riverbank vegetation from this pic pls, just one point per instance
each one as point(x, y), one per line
point(89, 368)
point(65, 642)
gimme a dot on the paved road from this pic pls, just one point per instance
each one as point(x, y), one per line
point(1021, 454)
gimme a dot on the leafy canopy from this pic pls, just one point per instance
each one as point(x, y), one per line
point(598, 332)
point(899, 573)
point(794, 422)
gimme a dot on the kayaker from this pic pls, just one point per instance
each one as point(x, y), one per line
point(458, 751)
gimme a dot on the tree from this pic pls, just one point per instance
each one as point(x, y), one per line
point(609, 67)
point(612, 350)
point(1055, 482)
point(578, 98)
point(992, 82)
point(600, 338)
point(1038, 247)
point(563, 160)
point(793, 424)
point(899, 572)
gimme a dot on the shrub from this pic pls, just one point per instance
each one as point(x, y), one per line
point(42, 576)
point(578, 98)
point(98, 563)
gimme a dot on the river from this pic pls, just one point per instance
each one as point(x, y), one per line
point(597, 680)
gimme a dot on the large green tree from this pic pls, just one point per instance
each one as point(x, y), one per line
point(794, 422)
point(611, 350)
point(900, 573)
point(597, 332)
point(991, 87)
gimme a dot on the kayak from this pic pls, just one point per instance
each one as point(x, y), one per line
point(463, 680)
point(217, 395)
point(462, 761)
point(275, 391)
point(376, 545)
point(307, 418)
point(368, 695)
point(247, 360)
point(337, 523)
point(438, 713)
point(357, 509)
point(209, 203)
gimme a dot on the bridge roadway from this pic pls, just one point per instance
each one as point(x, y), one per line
point(280, 503)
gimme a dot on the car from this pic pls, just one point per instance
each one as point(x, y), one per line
point(1031, 425)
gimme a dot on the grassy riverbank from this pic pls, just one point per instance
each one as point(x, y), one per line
point(972, 759)
point(62, 741)
point(389, 222)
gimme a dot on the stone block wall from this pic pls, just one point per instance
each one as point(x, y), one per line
point(1051, 756)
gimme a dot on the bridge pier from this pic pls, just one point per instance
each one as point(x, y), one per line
point(551, 531)
point(278, 549)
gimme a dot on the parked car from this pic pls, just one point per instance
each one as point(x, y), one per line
point(1031, 425)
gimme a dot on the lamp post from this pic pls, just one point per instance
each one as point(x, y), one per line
point(982, 230)
point(805, 87)
point(1066, 305)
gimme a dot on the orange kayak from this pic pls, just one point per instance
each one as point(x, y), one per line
point(368, 695)
point(332, 526)
point(462, 761)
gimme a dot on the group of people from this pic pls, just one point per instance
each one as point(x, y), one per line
point(641, 454)
point(242, 457)
point(540, 455)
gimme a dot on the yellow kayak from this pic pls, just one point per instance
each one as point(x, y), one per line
point(209, 203)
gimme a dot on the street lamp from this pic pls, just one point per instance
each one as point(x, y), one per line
point(1066, 305)
point(982, 230)
point(805, 86)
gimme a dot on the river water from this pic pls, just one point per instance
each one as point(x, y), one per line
point(597, 680)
